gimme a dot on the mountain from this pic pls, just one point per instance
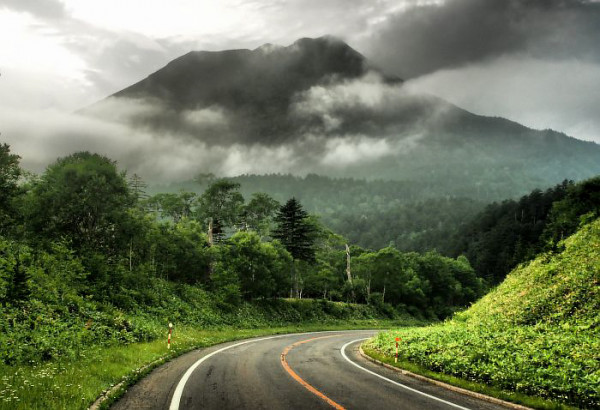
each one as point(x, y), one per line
point(320, 106)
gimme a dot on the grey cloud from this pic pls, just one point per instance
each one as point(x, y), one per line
point(560, 95)
point(115, 59)
point(369, 106)
point(46, 9)
point(425, 38)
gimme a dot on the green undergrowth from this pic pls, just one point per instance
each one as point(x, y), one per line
point(537, 334)
point(411, 366)
point(62, 346)
point(75, 383)
point(45, 330)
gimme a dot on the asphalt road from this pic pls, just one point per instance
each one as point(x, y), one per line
point(320, 370)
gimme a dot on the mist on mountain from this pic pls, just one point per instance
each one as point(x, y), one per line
point(315, 106)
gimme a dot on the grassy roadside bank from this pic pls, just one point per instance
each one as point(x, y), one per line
point(76, 383)
point(537, 333)
point(370, 349)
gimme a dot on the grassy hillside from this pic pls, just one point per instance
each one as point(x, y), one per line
point(537, 333)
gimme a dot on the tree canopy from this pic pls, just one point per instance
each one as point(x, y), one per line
point(82, 198)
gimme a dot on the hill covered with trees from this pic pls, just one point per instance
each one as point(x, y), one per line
point(88, 258)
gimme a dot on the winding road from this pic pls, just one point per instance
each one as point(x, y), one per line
point(320, 370)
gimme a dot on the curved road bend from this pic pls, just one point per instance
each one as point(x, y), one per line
point(321, 370)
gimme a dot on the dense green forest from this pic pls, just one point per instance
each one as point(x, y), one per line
point(86, 255)
point(92, 257)
point(512, 232)
point(372, 214)
point(411, 218)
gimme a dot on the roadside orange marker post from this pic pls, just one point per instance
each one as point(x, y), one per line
point(169, 339)
point(396, 358)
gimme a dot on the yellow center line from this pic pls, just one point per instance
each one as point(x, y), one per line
point(299, 379)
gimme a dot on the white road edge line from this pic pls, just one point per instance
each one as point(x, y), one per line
point(176, 400)
point(179, 389)
point(343, 351)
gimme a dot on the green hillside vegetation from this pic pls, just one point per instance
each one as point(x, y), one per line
point(510, 232)
point(87, 259)
point(537, 333)
point(506, 234)
point(375, 214)
point(415, 217)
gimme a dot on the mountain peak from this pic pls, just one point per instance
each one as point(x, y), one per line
point(253, 79)
point(268, 48)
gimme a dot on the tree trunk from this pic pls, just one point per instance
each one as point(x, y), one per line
point(130, 255)
point(348, 270)
point(210, 244)
point(296, 284)
point(210, 232)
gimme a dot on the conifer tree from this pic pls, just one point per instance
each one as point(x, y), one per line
point(295, 231)
point(18, 289)
point(296, 234)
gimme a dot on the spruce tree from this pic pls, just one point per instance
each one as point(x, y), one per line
point(296, 234)
point(18, 290)
point(295, 231)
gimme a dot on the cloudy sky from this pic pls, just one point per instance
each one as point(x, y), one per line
point(536, 62)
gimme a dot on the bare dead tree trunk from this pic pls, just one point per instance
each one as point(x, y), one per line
point(130, 255)
point(348, 270)
point(210, 244)
point(210, 232)
point(295, 278)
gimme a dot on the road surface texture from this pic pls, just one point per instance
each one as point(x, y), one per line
point(321, 370)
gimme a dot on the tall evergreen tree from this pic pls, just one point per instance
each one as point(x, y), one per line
point(18, 290)
point(296, 234)
point(295, 231)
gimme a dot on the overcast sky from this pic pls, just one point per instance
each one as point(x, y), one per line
point(533, 61)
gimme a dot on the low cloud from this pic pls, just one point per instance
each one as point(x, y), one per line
point(537, 93)
point(340, 152)
point(129, 132)
point(368, 106)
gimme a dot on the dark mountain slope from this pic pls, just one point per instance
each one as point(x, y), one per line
point(321, 103)
point(254, 87)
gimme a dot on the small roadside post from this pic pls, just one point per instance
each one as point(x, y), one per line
point(396, 358)
point(169, 338)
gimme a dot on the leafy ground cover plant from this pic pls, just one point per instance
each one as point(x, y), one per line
point(537, 333)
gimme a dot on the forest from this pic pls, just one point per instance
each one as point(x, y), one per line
point(85, 238)
point(93, 259)
point(85, 246)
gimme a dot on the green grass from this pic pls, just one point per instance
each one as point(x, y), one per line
point(514, 397)
point(435, 359)
point(537, 334)
point(75, 383)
